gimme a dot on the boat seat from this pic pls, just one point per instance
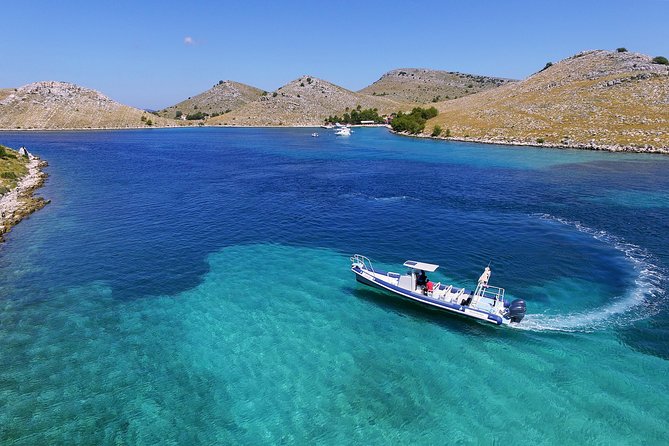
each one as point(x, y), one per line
point(459, 295)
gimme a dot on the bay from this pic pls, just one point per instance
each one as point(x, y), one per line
point(192, 286)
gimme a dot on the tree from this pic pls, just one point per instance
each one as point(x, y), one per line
point(621, 50)
point(178, 114)
point(413, 122)
point(661, 60)
point(436, 131)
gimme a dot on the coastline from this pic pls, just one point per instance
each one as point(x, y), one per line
point(20, 202)
point(491, 141)
point(576, 146)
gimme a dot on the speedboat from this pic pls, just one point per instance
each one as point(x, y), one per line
point(343, 131)
point(485, 303)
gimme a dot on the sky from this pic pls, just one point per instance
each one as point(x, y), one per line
point(153, 54)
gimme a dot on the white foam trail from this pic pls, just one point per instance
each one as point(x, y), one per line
point(640, 302)
point(370, 197)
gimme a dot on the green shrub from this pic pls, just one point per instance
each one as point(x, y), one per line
point(3, 190)
point(3, 152)
point(621, 50)
point(275, 94)
point(149, 122)
point(548, 65)
point(8, 175)
point(448, 133)
point(413, 122)
point(540, 140)
point(178, 114)
point(661, 60)
point(436, 131)
point(195, 116)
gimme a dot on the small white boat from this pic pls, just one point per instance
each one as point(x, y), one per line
point(343, 131)
point(485, 303)
point(315, 135)
point(327, 126)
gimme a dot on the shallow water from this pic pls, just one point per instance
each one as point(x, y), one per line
point(192, 286)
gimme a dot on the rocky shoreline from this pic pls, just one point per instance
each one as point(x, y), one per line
point(20, 202)
point(577, 146)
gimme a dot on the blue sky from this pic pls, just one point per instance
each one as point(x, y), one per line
point(151, 54)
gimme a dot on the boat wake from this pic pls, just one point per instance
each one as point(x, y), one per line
point(640, 302)
point(380, 199)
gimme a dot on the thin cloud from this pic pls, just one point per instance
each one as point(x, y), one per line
point(188, 40)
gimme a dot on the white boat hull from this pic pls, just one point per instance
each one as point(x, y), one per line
point(384, 281)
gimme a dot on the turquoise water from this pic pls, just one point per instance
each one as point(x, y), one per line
point(192, 287)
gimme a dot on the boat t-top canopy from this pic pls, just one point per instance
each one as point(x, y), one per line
point(420, 265)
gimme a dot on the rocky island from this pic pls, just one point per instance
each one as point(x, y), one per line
point(601, 100)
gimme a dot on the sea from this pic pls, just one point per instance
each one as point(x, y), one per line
point(193, 286)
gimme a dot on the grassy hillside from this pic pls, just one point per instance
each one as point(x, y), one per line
point(221, 98)
point(422, 86)
point(304, 101)
point(599, 99)
point(61, 105)
point(12, 168)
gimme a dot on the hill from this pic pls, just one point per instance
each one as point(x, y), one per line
point(221, 98)
point(595, 99)
point(422, 86)
point(62, 105)
point(306, 101)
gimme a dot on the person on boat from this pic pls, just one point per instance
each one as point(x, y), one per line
point(421, 279)
point(485, 277)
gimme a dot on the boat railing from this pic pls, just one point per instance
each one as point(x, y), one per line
point(491, 292)
point(363, 262)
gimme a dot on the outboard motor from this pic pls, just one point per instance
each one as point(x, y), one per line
point(517, 310)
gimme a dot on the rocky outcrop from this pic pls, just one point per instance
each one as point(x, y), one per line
point(595, 99)
point(20, 202)
point(422, 86)
point(62, 105)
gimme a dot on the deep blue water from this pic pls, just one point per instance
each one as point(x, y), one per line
point(191, 286)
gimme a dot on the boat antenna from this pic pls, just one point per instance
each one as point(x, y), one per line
point(489, 262)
